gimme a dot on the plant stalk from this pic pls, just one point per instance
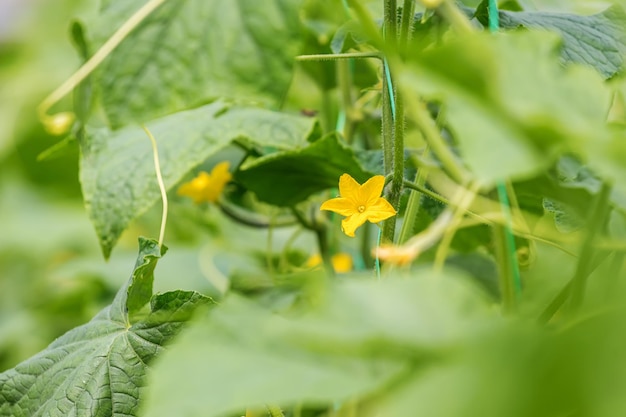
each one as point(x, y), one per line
point(408, 9)
point(413, 206)
point(597, 218)
point(434, 139)
point(389, 112)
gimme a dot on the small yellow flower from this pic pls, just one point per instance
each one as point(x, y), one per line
point(207, 187)
point(342, 262)
point(360, 203)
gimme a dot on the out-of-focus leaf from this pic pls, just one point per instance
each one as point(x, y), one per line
point(362, 334)
point(598, 40)
point(117, 168)
point(289, 177)
point(99, 368)
point(565, 218)
point(509, 121)
point(522, 370)
point(189, 52)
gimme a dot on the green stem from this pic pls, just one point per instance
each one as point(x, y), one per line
point(398, 170)
point(387, 125)
point(503, 261)
point(563, 295)
point(336, 57)
point(390, 118)
point(511, 253)
point(413, 206)
point(322, 243)
point(344, 78)
point(429, 129)
point(366, 249)
point(597, 218)
point(390, 18)
point(321, 232)
point(408, 9)
point(328, 121)
point(254, 219)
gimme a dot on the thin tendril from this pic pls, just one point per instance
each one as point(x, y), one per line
point(98, 57)
point(157, 168)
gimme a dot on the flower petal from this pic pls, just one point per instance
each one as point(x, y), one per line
point(348, 187)
point(351, 223)
point(220, 173)
point(339, 205)
point(195, 187)
point(342, 262)
point(380, 210)
point(371, 190)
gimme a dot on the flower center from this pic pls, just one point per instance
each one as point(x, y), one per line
point(361, 208)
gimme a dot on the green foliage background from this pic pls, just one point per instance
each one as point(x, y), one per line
point(218, 81)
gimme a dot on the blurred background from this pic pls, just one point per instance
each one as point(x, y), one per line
point(52, 274)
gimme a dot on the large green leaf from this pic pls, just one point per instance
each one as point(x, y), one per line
point(191, 51)
point(98, 369)
point(511, 121)
point(522, 370)
point(360, 336)
point(598, 40)
point(117, 168)
point(289, 177)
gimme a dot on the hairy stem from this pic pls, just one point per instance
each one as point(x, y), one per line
point(408, 9)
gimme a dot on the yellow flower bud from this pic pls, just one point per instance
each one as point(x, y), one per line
point(60, 123)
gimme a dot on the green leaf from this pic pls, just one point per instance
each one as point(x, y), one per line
point(189, 52)
point(352, 344)
point(521, 370)
point(598, 40)
point(289, 177)
point(98, 369)
point(509, 121)
point(140, 288)
point(565, 217)
point(117, 168)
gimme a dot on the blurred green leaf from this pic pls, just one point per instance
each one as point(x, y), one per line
point(511, 121)
point(565, 217)
point(289, 177)
point(99, 368)
point(362, 334)
point(521, 370)
point(189, 52)
point(117, 168)
point(598, 40)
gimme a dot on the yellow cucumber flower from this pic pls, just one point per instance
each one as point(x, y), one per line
point(207, 187)
point(359, 203)
point(342, 262)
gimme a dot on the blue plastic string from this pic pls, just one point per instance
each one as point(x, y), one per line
point(494, 18)
point(392, 99)
point(494, 25)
